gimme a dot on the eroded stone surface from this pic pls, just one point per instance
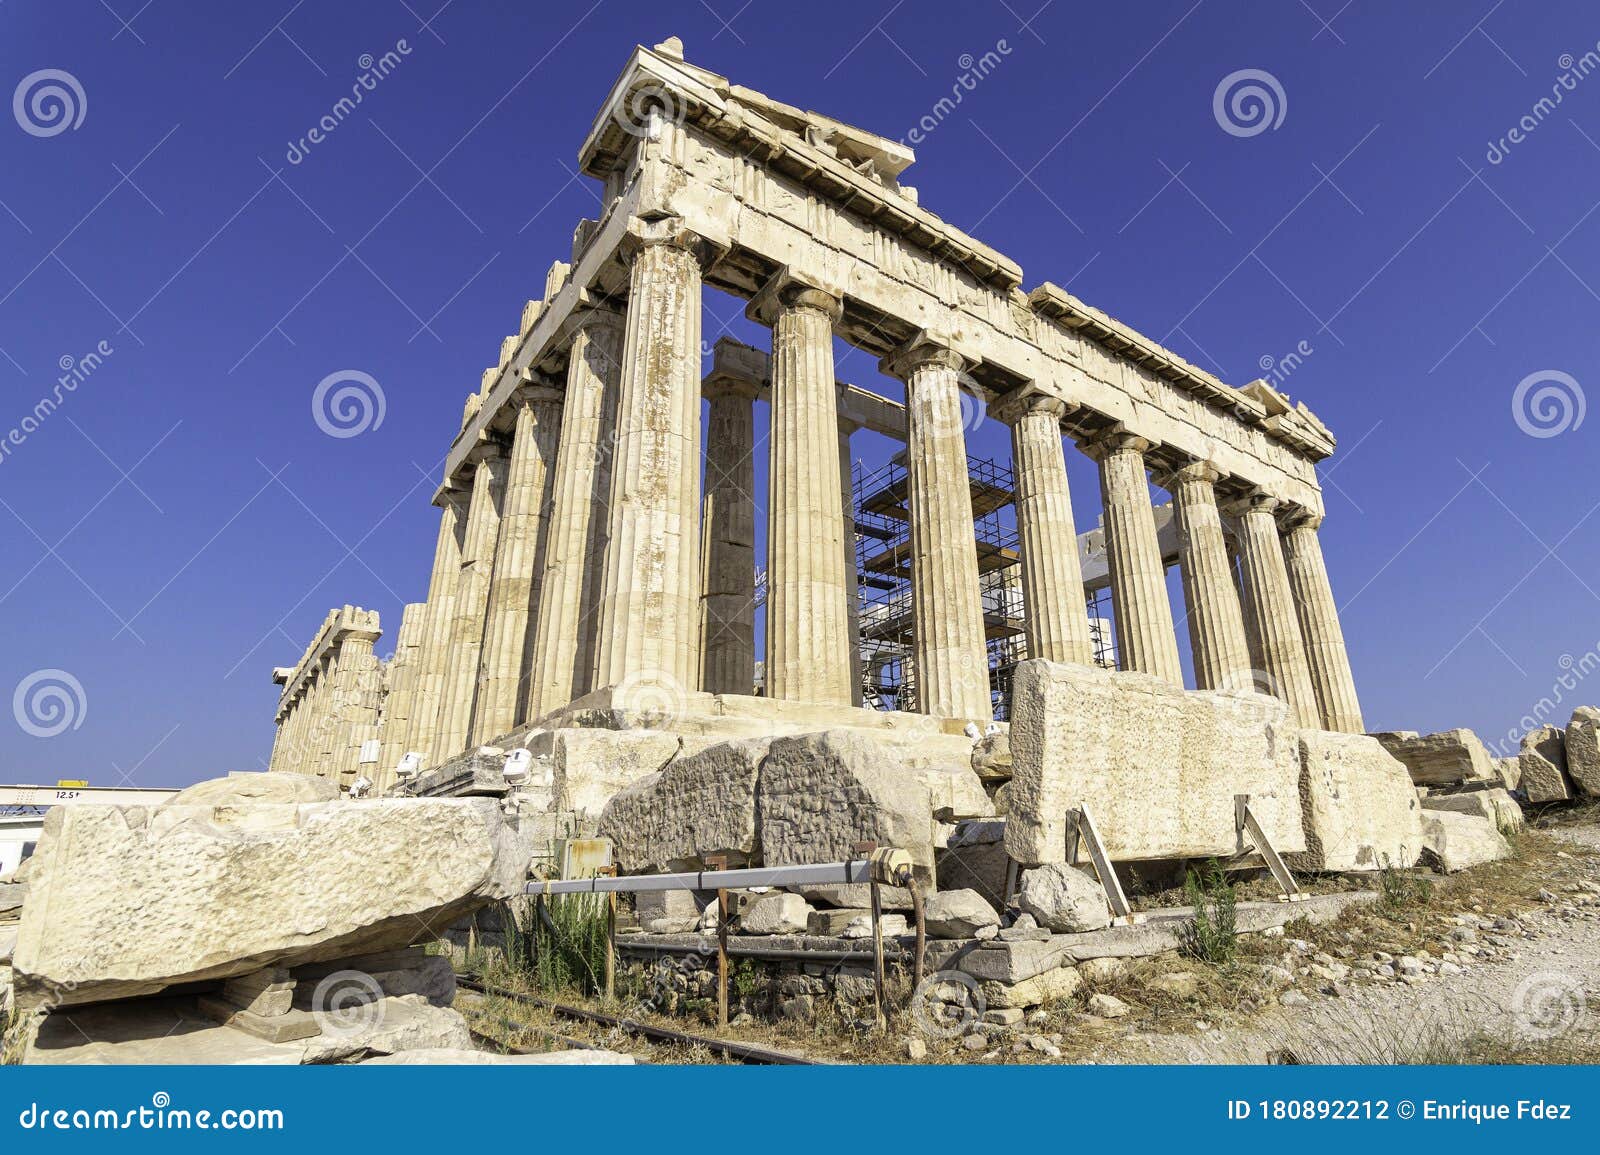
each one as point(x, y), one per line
point(699, 805)
point(593, 766)
point(128, 900)
point(1441, 759)
point(1456, 841)
point(821, 794)
point(1358, 805)
point(1063, 898)
point(1542, 764)
point(958, 914)
point(1583, 750)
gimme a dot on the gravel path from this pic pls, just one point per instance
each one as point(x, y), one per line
point(1545, 981)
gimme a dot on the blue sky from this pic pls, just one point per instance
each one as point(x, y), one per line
point(179, 523)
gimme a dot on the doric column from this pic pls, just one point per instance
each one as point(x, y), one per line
point(952, 665)
point(355, 693)
point(325, 705)
point(1266, 582)
point(574, 557)
point(1216, 622)
point(434, 657)
point(518, 565)
point(1056, 622)
point(472, 602)
point(650, 611)
point(728, 523)
point(1326, 655)
point(404, 670)
point(1140, 607)
point(808, 619)
point(852, 578)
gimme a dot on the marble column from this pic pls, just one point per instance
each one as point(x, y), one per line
point(808, 609)
point(1266, 581)
point(951, 658)
point(574, 559)
point(434, 657)
point(518, 565)
point(325, 716)
point(649, 632)
point(1216, 621)
point(1055, 621)
point(1146, 640)
point(355, 691)
point(852, 577)
point(404, 669)
point(1326, 654)
point(471, 604)
point(728, 522)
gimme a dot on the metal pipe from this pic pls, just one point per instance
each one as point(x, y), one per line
point(826, 873)
point(736, 949)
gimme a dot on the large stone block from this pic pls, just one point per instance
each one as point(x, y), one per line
point(1357, 803)
point(1583, 750)
point(1496, 805)
point(958, 914)
point(1543, 765)
point(1442, 759)
point(699, 805)
point(1157, 766)
point(975, 859)
point(126, 901)
point(820, 794)
point(1455, 841)
point(592, 766)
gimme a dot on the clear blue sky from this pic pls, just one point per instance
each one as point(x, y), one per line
point(180, 524)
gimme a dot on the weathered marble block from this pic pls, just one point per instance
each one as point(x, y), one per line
point(1359, 808)
point(1157, 766)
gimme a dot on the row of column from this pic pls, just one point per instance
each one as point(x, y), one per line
point(582, 555)
point(331, 709)
point(1270, 625)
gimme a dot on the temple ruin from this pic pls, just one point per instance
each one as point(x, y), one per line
point(589, 562)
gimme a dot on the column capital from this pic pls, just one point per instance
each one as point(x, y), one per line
point(1292, 516)
point(1013, 407)
point(721, 383)
point(535, 387)
point(1188, 471)
point(921, 351)
point(784, 291)
point(1118, 439)
point(670, 232)
point(1251, 501)
point(593, 313)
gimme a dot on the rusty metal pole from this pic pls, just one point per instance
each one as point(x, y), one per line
point(720, 862)
point(611, 937)
point(879, 1018)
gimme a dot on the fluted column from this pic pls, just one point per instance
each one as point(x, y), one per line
point(952, 665)
point(471, 604)
point(1055, 621)
point(1266, 581)
point(1146, 640)
point(574, 557)
point(434, 658)
point(852, 578)
point(404, 670)
point(650, 611)
point(808, 620)
point(1326, 654)
point(1216, 621)
point(518, 566)
point(728, 522)
point(355, 709)
point(325, 718)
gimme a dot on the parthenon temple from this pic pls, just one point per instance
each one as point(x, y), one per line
point(595, 563)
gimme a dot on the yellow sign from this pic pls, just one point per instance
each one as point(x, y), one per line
point(71, 783)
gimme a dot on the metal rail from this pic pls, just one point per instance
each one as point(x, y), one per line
point(743, 1052)
point(826, 873)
